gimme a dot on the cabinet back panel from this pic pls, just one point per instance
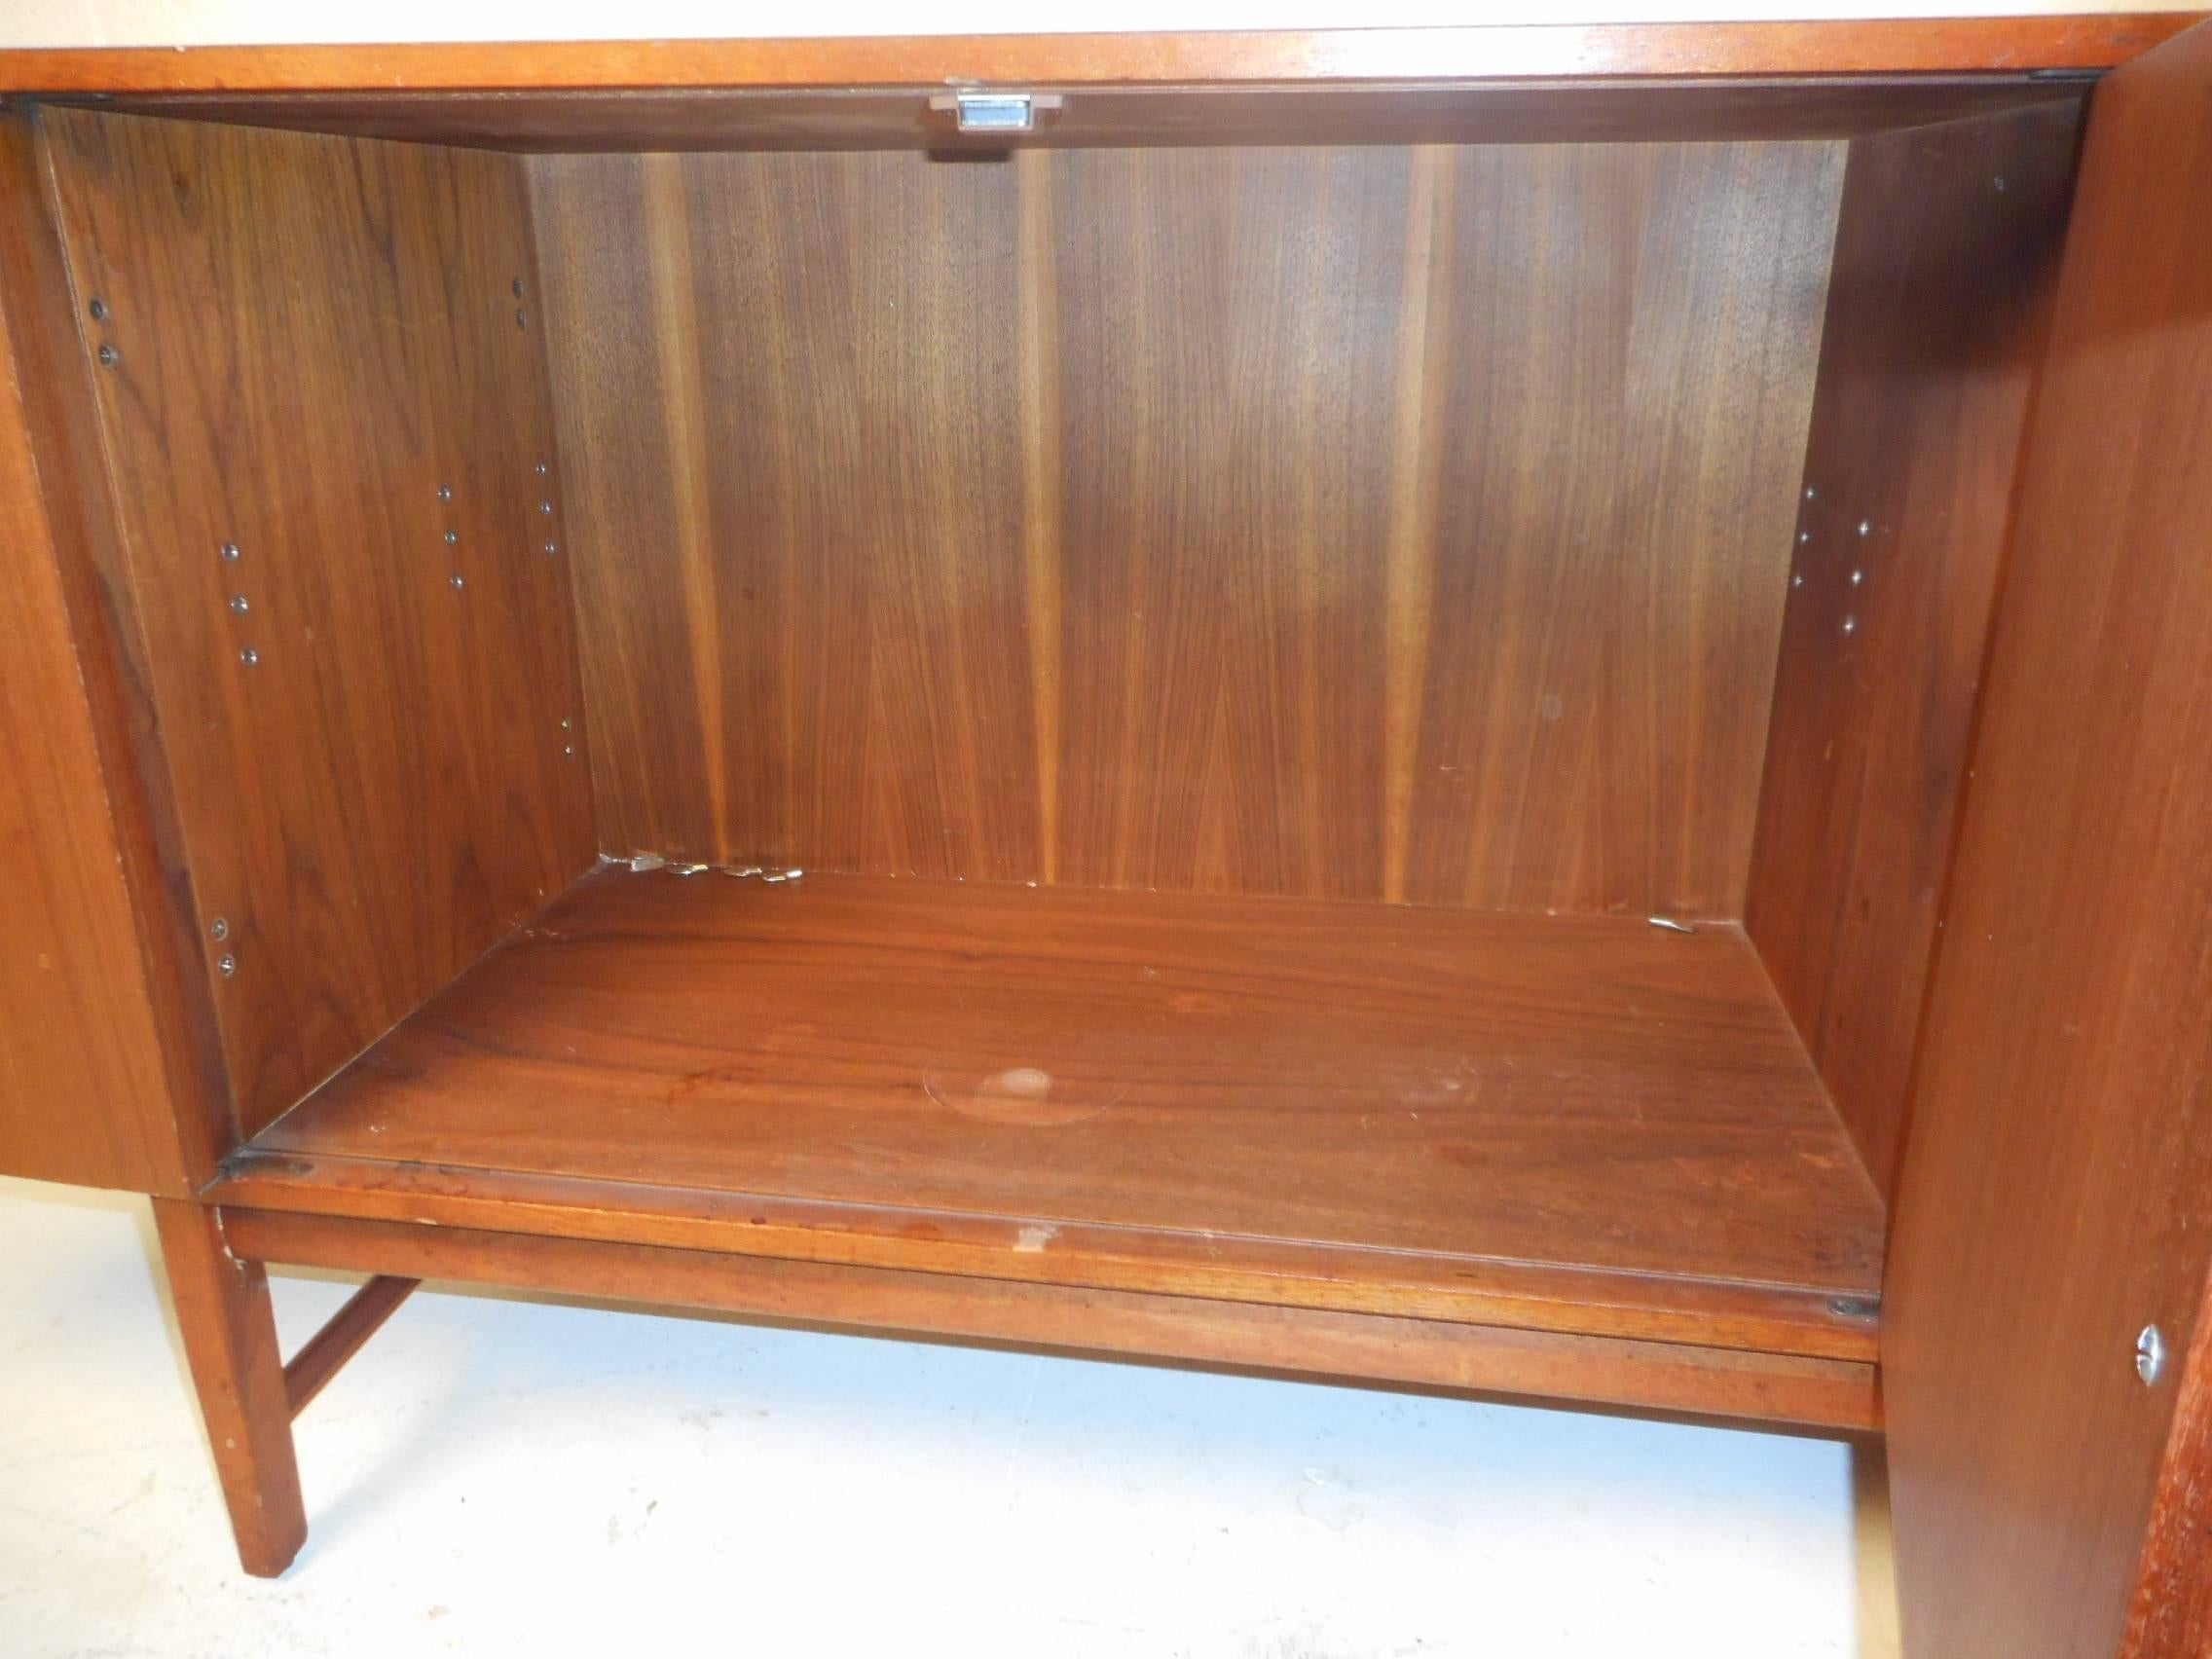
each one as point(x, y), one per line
point(311, 337)
point(1404, 524)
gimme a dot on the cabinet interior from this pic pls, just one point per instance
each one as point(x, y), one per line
point(1370, 686)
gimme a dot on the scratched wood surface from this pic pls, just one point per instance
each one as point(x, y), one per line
point(307, 338)
point(1404, 524)
point(1368, 1106)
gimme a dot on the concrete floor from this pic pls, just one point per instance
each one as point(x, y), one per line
point(499, 1475)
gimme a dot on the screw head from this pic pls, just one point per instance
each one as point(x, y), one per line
point(552, 547)
point(249, 656)
point(1858, 577)
point(518, 287)
point(546, 506)
point(541, 469)
point(456, 581)
point(239, 605)
point(445, 492)
point(1796, 581)
point(1866, 527)
point(1851, 624)
point(219, 928)
point(98, 309)
point(1811, 494)
point(522, 319)
point(564, 722)
point(226, 965)
point(2151, 1356)
point(567, 748)
point(453, 537)
point(231, 552)
point(109, 356)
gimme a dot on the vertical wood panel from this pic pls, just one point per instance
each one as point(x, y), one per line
point(1938, 309)
point(311, 337)
point(2056, 1195)
point(1629, 370)
point(1228, 340)
point(84, 1091)
point(1375, 523)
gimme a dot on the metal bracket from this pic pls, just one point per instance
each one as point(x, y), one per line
point(996, 112)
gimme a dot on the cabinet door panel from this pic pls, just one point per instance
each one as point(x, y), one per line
point(2058, 1195)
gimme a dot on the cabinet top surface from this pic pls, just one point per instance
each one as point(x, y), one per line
point(1517, 52)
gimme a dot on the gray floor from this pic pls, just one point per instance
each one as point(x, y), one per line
point(502, 1475)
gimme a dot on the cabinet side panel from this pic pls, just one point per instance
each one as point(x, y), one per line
point(323, 354)
point(84, 1094)
point(1938, 310)
point(2057, 1194)
point(1382, 523)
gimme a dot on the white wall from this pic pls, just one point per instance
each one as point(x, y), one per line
point(208, 22)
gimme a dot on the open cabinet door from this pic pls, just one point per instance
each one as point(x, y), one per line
point(2057, 1193)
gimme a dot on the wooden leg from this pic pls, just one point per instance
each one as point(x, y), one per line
point(230, 1338)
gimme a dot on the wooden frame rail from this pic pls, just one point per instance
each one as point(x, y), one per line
point(307, 1371)
point(1516, 52)
point(1832, 1394)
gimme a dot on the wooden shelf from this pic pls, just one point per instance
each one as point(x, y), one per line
point(1572, 1123)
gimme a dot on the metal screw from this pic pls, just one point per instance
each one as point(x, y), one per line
point(552, 547)
point(564, 722)
point(219, 929)
point(522, 320)
point(1851, 624)
point(1858, 577)
point(518, 287)
point(2151, 1356)
point(2000, 181)
point(1803, 536)
point(249, 656)
point(108, 356)
point(239, 605)
point(456, 581)
point(453, 536)
point(231, 551)
point(1811, 494)
point(98, 309)
point(567, 748)
point(445, 492)
point(1796, 581)
point(546, 506)
point(1866, 527)
point(226, 965)
point(1855, 1306)
point(541, 469)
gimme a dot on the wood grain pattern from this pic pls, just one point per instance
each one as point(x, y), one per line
point(98, 1080)
point(1885, 46)
point(1576, 1123)
point(1322, 522)
point(1938, 311)
point(1617, 111)
point(1759, 1388)
point(382, 790)
point(230, 1341)
point(2058, 1188)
